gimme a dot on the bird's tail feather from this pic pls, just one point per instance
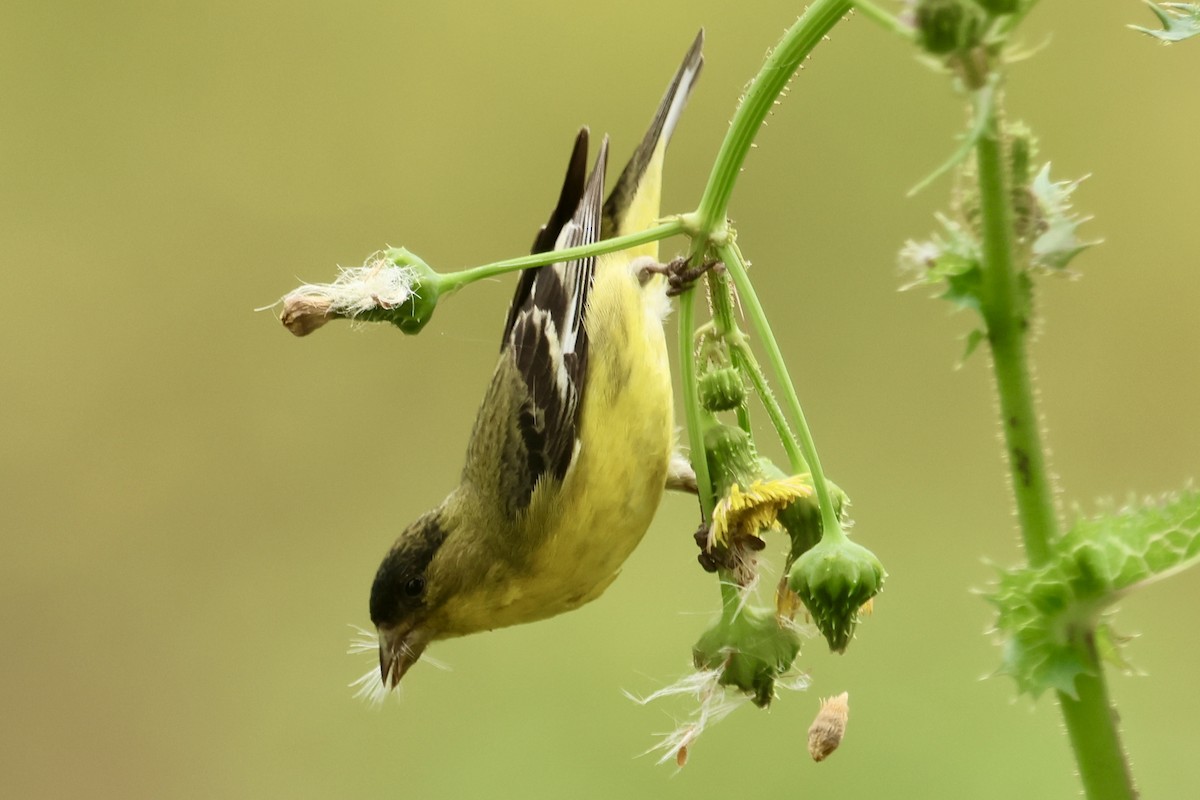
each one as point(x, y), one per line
point(633, 204)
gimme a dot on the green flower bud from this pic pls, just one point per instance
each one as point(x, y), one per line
point(732, 457)
point(751, 650)
point(802, 519)
point(722, 389)
point(946, 26)
point(834, 580)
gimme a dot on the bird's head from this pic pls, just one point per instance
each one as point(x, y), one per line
point(405, 597)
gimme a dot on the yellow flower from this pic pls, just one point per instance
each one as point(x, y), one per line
point(746, 512)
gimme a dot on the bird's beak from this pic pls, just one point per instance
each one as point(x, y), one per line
point(399, 649)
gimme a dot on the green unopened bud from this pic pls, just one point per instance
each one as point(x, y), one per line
point(802, 519)
point(946, 26)
point(722, 389)
point(732, 457)
point(834, 580)
point(751, 650)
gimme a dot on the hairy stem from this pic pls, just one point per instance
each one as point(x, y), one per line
point(1090, 718)
point(709, 229)
point(1091, 724)
point(708, 221)
point(736, 267)
point(743, 358)
point(1007, 325)
point(691, 404)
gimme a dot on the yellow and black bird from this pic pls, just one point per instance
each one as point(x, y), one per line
point(572, 445)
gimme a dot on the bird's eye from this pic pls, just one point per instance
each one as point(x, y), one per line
point(414, 586)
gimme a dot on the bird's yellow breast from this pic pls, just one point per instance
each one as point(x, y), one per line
point(609, 495)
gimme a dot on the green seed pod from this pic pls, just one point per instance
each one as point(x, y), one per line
point(722, 389)
point(751, 650)
point(732, 457)
point(834, 580)
point(946, 26)
point(802, 519)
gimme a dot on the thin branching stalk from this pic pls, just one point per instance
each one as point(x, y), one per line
point(454, 281)
point(691, 404)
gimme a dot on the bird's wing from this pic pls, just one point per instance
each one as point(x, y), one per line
point(634, 202)
point(547, 235)
point(545, 355)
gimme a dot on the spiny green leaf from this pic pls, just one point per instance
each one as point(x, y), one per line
point(1180, 21)
point(1050, 615)
point(1138, 544)
point(1058, 244)
point(950, 259)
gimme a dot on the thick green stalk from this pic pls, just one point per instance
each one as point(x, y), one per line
point(1090, 718)
point(1007, 325)
point(1091, 722)
point(708, 221)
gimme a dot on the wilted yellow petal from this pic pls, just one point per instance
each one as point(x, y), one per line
point(745, 513)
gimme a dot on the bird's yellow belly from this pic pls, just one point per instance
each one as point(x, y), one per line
point(626, 436)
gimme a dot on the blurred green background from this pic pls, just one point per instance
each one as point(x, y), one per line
point(195, 502)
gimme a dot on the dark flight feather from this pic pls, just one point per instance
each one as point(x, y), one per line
point(548, 339)
point(568, 201)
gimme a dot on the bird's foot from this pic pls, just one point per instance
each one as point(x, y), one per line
point(681, 276)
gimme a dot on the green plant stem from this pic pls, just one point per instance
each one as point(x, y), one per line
point(453, 281)
point(691, 405)
point(735, 265)
point(708, 227)
point(1089, 718)
point(742, 356)
point(1091, 723)
point(1007, 326)
point(889, 21)
point(708, 221)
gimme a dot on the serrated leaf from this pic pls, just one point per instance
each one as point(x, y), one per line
point(1179, 20)
point(949, 259)
point(1047, 614)
point(1059, 243)
point(1139, 544)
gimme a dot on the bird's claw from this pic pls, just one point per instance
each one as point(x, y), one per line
point(681, 276)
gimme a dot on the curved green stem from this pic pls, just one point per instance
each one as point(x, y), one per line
point(708, 221)
point(727, 329)
point(736, 267)
point(691, 404)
